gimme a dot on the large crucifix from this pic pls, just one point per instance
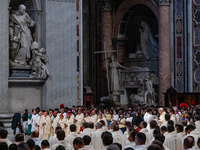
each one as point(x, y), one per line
point(106, 59)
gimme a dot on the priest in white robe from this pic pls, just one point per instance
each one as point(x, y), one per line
point(172, 141)
point(140, 140)
point(73, 134)
point(46, 125)
point(102, 118)
point(94, 117)
point(88, 131)
point(69, 121)
point(143, 129)
point(34, 119)
point(62, 141)
point(39, 124)
point(180, 131)
point(117, 136)
point(191, 131)
point(79, 120)
point(53, 140)
point(131, 139)
point(87, 117)
point(98, 144)
point(172, 115)
point(197, 122)
point(161, 119)
point(61, 122)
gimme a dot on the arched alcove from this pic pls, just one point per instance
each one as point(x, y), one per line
point(131, 23)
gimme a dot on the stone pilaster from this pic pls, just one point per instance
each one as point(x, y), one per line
point(164, 49)
point(106, 8)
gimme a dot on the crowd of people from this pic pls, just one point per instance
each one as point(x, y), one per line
point(95, 128)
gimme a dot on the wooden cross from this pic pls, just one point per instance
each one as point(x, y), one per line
point(105, 52)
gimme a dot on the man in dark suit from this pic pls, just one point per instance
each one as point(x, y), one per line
point(16, 122)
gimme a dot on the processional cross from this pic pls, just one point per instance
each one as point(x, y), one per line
point(106, 59)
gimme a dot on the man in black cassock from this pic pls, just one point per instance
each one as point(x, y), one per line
point(16, 122)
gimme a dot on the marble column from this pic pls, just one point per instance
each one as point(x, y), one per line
point(164, 49)
point(4, 57)
point(106, 40)
point(107, 25)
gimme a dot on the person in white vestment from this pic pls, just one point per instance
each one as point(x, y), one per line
point(107, 140)
point(62, 111)
point(149, 134)
point(172, 141)
point(167, 118)
point(87, 117)
point(102, 118)
point(118, 136)
point(72, 135)
point(98, 141)
point(54, 119)
point(161, 119)
point(160, 137)
point(3, 137)
point(126, 133)
point(78, 143)
point(39, 124)
point(113, 147)
point(149, 117)
point(61, 121)
point(172, 115)
point(178, 116)
point(45, 145)
point(164, 130)
point(46, 126)
point(191, 131)
point(53, 140)
point(88, 131)
point(140, 140)
point(197, 122)
point(35, 138)
point(94, 117)
point(143, 129)
point(131, 139)
point(87, 141)
point(61, 141)
point(79, 120)
point(104, 127)
point(188, 143)
point(180, 131)
point(69, 121)
point(34, 119)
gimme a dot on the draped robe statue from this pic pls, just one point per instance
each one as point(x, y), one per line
point(20, 36)
point(148, 42)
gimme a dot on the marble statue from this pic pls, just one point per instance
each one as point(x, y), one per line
point(114, 67)
point(20, 36)
point(38, 63)
point(150, 92)
point(148, 42)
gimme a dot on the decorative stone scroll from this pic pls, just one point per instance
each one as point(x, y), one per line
point(165, 2)
point(106, 5)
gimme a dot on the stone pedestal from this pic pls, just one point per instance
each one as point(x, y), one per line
point(164, 49)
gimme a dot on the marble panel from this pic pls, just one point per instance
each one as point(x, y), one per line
point(61, 48)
